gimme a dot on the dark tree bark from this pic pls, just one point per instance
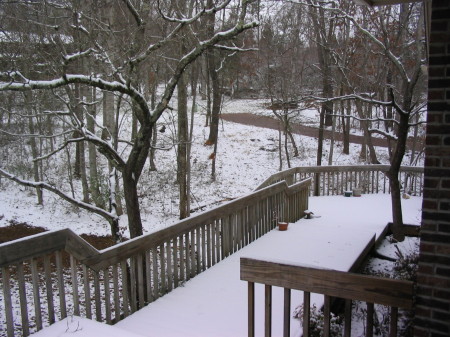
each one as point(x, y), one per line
point(182, 157)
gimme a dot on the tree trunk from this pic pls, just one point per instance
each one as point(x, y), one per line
point(394, 182)
point(132, 203)
point(155, 131)
point(92, 151)
point(212, 62)
point(34, 148)
point(333, 130)
point(115, 135)
point(367, 136)
point(80, 159)
point(194, 80)
point(182, 146)
point(216, 99)
point(280, 151)
point(319, 151)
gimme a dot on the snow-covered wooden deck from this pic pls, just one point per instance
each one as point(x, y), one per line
point(214, 303)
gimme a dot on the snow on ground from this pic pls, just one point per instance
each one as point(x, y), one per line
point(246, 156)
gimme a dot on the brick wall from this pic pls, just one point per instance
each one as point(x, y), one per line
point(433, 294)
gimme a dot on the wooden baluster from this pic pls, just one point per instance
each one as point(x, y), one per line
point(148, 276)
point(393, 322)
point(8, 303)
point(61, 288)
point(125, 286)
point(155, 273)
point(107, 296)
point(140, 280)
point(87, 292)
point(268, 311)
point(202, 246)
point(175, 261)
point(188, 256)
point(251, 309)
point(369, 332)
point(192, 251)
point(182, 258)
point(169, 265)
point(348, 318)
point(232, 233)
point(97, 296)
point(226, 237)
point(242, 224)
point(378, 181)
point(287, 313)
point(209, 248)
point(218, 242)
point(162, 264)
point(116, 294)
point(49, 290)
point(132, 283)
point(213, 243)
point(36, 294)
point(198, 250)
point(74, 277)
point(306, 312)
point(326, 316)
point(23, 301)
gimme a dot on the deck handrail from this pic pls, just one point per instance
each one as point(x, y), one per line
point(331, 283)
point(109, 284)
point(334, 180)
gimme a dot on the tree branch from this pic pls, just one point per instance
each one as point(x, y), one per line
point(91, 208)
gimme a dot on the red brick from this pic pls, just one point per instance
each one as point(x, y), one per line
point(427, 247)
point(430, 204)
point(442, 249)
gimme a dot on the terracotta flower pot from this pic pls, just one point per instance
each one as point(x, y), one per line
point(282, 226)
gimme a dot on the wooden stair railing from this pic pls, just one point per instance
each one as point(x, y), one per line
point(48, 276)
point(349, 286)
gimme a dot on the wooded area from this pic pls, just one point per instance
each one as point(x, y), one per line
point(111, 284)
point(83, 86)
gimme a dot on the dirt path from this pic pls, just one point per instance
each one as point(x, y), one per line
point(271, 123)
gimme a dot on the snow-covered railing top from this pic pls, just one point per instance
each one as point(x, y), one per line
point(334, 180)
point(110, 284)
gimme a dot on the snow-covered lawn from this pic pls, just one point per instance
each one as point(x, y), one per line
point(246, 156)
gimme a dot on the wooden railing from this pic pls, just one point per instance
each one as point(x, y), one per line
point(48, 276)
point(351, 287)
point(334, 180)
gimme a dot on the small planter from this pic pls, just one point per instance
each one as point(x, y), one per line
point(348, 193)
point(283, 226)
point(357, 192)
point(308, 214)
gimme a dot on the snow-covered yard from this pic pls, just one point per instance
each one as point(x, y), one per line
point(215, 302)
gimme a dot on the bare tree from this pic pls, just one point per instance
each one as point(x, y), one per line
point(116, 61)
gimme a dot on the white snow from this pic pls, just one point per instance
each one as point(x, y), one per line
point(82, 327)
point(215, 302)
